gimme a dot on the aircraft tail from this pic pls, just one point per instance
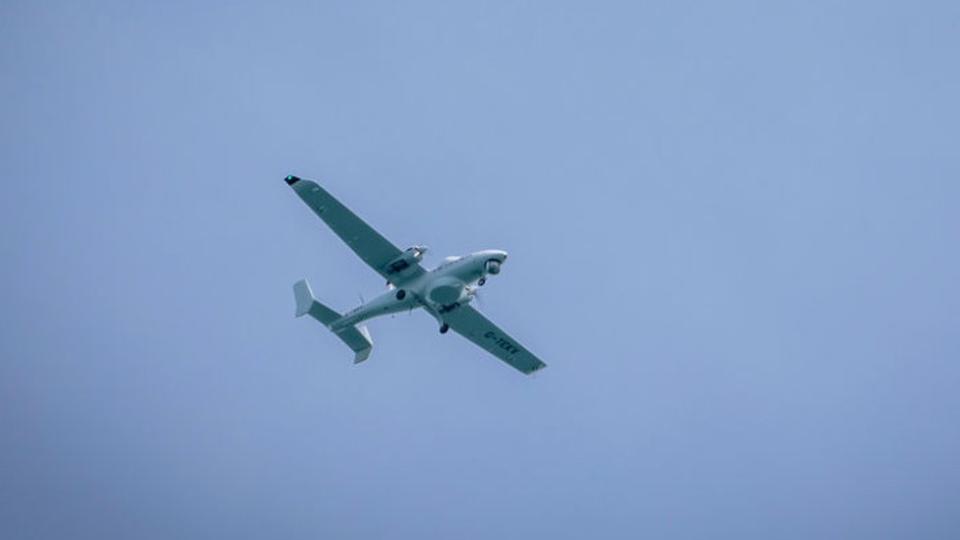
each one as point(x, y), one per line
point(357, 338)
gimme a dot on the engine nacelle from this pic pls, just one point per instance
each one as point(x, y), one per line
point(408, 258)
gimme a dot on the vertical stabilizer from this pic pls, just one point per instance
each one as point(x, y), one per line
point(358, 339)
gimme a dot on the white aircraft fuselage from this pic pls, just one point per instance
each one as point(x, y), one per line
point(452, 284)
point(444, 292)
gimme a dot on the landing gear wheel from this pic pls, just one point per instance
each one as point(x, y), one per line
point(401, 294)
point(444, 327)
point(482, 281)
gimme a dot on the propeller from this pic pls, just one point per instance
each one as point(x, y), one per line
point(474, 292)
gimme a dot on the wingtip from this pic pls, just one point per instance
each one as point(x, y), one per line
point(291, 179)
point(536, 368)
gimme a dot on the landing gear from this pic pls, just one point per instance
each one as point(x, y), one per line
point(482, 281)
point(444, 327)
point(401, 294)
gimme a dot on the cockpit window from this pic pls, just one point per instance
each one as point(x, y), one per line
point(448, 261)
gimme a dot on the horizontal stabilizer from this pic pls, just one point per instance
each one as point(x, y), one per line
point(358, 339)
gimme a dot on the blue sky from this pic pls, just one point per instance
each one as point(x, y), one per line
point(733, 237)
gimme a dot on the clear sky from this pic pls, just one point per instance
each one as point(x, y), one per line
point(733, 235)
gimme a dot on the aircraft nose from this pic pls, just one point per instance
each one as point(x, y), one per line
point(497, 254)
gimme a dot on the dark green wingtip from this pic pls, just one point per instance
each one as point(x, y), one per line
point(291, 180)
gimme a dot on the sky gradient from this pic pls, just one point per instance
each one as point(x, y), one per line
point(732, 232)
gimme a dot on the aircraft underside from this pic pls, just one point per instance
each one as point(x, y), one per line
point(445, 292)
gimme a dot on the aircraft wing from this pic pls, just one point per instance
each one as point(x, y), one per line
point(472, 325)
point(367, 243)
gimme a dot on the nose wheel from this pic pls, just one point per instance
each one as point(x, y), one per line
point(482, 281)
point(444, 328)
